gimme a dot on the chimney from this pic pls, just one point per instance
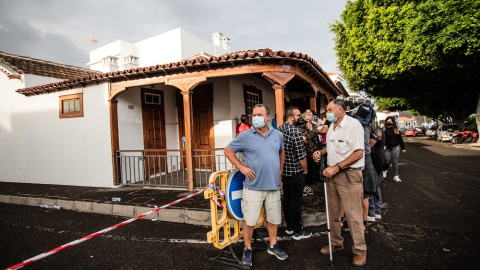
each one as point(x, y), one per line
point(226, 44)
point(217, 39)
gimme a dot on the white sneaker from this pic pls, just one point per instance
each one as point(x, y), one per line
point(371, 219)
point(384, 174)
point(396, 178)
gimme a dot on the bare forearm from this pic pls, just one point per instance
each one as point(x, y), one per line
point(232, 157)
point(354, 157)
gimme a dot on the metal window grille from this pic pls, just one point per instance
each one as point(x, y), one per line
point(252, 100)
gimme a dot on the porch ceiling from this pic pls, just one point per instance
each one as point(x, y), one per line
point(293, 62)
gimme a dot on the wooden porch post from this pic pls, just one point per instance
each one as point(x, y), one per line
point(186, 85)
point(279, 80)
point(187, 115)
point(279, 103)
point(313, 103)
point(114, 136)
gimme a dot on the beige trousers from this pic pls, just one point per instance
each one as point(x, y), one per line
point(347, 191)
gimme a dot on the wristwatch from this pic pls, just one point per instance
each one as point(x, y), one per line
point(339, 167)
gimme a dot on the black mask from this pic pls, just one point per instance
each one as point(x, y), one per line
point(243, 120)
point(300, 121)
point(389, 125)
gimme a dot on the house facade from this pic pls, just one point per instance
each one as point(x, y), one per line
point(139, 122)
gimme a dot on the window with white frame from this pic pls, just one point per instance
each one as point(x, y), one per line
point(71, 106)
point(153, 99)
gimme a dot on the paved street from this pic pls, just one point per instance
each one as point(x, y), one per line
point(430, 221)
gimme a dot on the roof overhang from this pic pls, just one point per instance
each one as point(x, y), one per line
point(246, 62)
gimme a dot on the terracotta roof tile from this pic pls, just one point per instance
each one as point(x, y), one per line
point(27, 65)
point(207, 61)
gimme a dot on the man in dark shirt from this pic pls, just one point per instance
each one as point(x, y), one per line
point(294, 169)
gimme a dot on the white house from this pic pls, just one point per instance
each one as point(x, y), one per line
point(157, 114)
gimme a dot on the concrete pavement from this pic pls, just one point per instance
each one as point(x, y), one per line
point(135, 201)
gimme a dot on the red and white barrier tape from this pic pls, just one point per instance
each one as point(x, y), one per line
point(55, 250)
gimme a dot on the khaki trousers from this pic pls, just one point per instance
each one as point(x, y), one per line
point(347, 191)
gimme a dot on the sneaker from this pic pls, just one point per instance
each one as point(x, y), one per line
point(247, 257)
point(378, 216)
point(384, 174)
point(371, 219)
point(275, 250)
point(289, 231)
point(305, 191)
point(302, 234)
point(396, 178)
point(310, 191)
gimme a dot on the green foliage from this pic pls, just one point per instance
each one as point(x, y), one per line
point(424, 53)
point(390, 104)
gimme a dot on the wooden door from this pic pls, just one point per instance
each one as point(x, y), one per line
point(153, 114)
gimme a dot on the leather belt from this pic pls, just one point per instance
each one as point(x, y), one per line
point(352, 169)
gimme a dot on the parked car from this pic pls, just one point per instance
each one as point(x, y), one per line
point(420, 130)
point(445, 132)
point(431, 132)
point(410, 132)
point(402, 131)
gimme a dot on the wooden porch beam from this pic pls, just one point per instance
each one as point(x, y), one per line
point(118, 87)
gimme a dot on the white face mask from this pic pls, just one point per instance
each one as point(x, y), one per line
point(258, 121)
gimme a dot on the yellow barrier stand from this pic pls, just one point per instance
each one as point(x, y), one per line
point(225, 220)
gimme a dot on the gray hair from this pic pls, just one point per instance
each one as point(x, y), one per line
point(260, 105)
point(340, 102)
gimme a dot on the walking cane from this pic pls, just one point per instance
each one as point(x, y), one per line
point(328, 222)
point(324, 179)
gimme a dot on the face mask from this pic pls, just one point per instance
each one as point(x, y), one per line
point(258, 121)
point(331, 117)
point(389, 125)
point(244, 121)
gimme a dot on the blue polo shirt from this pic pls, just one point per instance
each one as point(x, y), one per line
point(262, 156)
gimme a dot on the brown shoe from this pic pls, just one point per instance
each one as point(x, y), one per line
point(359, 260)
point(326, 249)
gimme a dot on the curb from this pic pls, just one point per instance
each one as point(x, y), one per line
point(172, 214)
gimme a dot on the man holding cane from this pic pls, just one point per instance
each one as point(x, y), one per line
point(345, 146)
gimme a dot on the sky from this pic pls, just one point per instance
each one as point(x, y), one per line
point(57, 30)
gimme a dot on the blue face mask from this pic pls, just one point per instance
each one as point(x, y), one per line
point(258, 121)
point(331, 117)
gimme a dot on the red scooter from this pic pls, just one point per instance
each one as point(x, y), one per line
point(464, 137)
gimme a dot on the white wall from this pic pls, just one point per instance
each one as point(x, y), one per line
point(193, 45)
point(39, 147)
point(237, 105)
point(130, 125)
point(172, 46)
point(130, 121)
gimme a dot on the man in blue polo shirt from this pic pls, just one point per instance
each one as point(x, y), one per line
point(264, 156)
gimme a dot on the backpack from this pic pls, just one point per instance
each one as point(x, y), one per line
point(364, 113)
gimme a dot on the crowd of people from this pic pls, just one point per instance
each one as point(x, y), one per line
point(350, 152)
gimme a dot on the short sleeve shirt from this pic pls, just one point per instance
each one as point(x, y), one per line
point(243, 127)
point(344, 140)
point(294, 149)
point(262, 156)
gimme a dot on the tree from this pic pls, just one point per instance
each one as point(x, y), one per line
point(425, 53)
